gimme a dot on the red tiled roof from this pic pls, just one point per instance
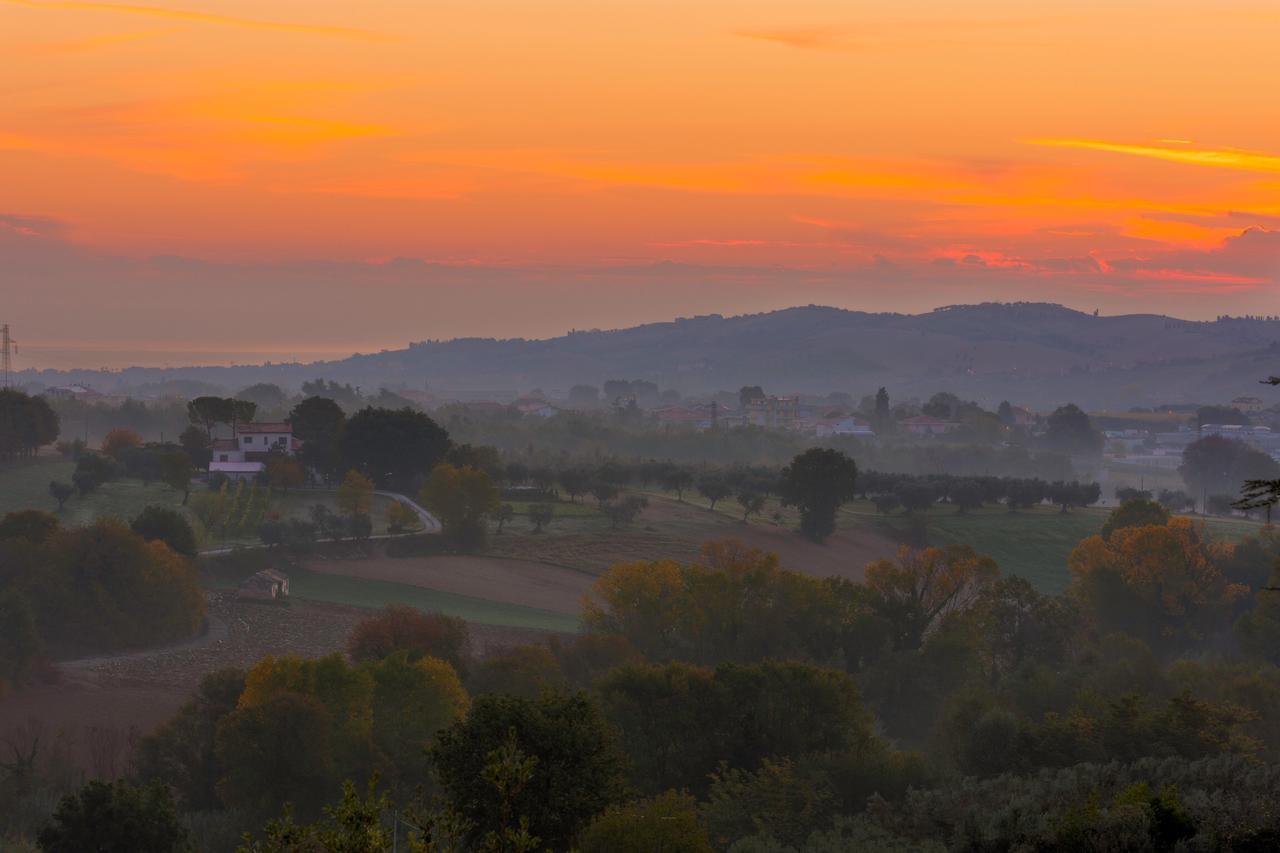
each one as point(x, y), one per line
point(250, 429)
point(224, 444)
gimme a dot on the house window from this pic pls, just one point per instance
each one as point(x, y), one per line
point(222, 457)
point(248, 439)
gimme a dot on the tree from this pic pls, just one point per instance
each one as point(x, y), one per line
point(19, 640)
point(355, 494)
point(401, 518)
point(818, 482)
point(284, 473)
point(887, 503)
point(413, 699)
point(883, 413)
point(1005, 413)
point(27, 423)
point(176, 472)
point(679, 722)
point(1024, 494)
point(504, 513)
point(398, 628)
point(181, 754)
point(61, 492)
point(624, 511)
point(575, 481)
point(1135, 512)
point(194, 441)
point(318, 423)
point(157, 523)
point(275, 751)
point(577, 767)
point(264, 395)
point(1071, 431)
point(116, 589)
point(1176, 500)
point(115, 817)
point(120, 439)
point(1161, 583)
point(752, 503)
point(918, 588)
point(713, 488)
point(483, 456)
point(967, 495)
point(669, 822)
point(33, 525)
point(394, 447)
point(676, 478)
point(1217, 465)
point(92, 470)
point(462, 498)
point(540, 514)
point(208, 412)
point(603, 492)
point(1067, 495)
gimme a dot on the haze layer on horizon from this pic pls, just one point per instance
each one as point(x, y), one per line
point(188, 182)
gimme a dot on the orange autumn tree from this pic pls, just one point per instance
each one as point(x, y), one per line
point(1162, 583)
point(120, 439)
point(920, 587)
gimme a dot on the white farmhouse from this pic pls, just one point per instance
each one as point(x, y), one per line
point(243, 456)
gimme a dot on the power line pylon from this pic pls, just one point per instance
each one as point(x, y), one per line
point(7, 347)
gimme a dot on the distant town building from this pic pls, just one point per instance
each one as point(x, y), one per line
point(73, 392)
point(1248, 405)
point(772, 412)
point(535, 407)
point(928, 425)
point(1023, 417)
point(697, 417)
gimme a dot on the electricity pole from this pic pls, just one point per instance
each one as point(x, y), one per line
point(8, 346)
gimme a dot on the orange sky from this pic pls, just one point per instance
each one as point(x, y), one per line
point(570, 164)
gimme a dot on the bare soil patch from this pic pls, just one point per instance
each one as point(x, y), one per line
point(511, 581)
point(100, 706)
point(844, 555)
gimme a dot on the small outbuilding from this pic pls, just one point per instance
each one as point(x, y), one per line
point(266, 585)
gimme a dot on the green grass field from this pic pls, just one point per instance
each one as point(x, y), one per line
point(1033, 544)
point(376, 594)
point(25, 485)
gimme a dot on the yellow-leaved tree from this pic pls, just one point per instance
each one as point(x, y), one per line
point(355, 494)
point(463, 498)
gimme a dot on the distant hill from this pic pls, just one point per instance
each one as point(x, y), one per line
point(1030, 353)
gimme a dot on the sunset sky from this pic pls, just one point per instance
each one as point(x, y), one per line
point(209, 182)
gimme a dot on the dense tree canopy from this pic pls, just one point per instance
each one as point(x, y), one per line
point(27, 423)
point(395, 447)
point(1071, 431)
point(318, 423)
point(575, 768)
point(818, 482)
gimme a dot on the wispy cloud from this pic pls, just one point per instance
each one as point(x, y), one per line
point(812, 38)
point(200, 18)
point(84, 45)
point(1223, 158)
